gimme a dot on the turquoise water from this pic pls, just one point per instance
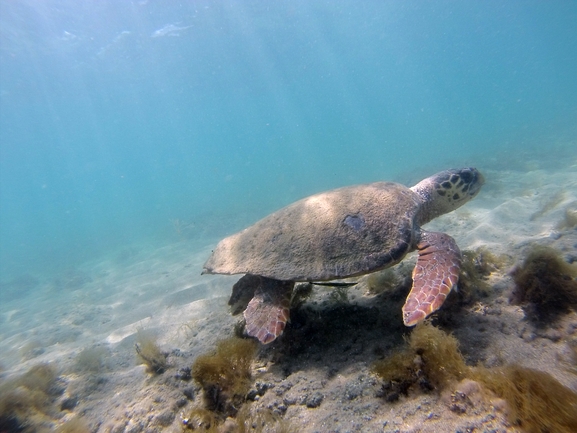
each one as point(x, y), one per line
point(124, 122)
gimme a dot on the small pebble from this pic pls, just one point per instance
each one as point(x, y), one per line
point(314, 400)
point(69, 403)
point(188, 393)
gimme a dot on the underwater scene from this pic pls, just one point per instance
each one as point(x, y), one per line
point(288, 216)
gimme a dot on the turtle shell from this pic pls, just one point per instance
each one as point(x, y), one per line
point(340, 233)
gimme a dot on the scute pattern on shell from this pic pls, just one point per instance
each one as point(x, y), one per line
point(344, 232)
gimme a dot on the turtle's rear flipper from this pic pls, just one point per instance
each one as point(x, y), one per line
point(434, 276)
point(268, 311)
point(243, 292)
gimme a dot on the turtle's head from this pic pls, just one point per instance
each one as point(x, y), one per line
point(446, 191)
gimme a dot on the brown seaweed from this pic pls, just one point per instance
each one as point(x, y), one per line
point(225, 375)
point(545, 285)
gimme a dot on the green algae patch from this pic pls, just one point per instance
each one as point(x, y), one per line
point(27, 403)
point(476, 266)
point(149, 352)
point(225, 375)
point(382, 281)
point(431, 359)
point(442, 362)
point(201, 419)
point(536, 401)
point(545, 285)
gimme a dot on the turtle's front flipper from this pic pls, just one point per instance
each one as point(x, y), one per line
point(268, 311)
point(436, 273)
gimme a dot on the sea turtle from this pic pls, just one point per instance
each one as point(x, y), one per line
point(347, 232)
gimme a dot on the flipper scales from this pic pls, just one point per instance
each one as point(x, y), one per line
point(434, 276)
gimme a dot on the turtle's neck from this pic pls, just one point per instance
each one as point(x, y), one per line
point(446, 191)
point(432, 205)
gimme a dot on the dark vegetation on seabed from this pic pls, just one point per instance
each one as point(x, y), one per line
point(225, 378)
point(149, 352)
point(225, 375)
point(545, 285)
point(431, 360)
point(476, 266)
point(34, 402)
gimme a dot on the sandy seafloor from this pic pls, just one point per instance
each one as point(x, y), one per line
point(102, 305)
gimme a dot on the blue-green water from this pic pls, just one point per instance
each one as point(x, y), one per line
point(118, 118)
